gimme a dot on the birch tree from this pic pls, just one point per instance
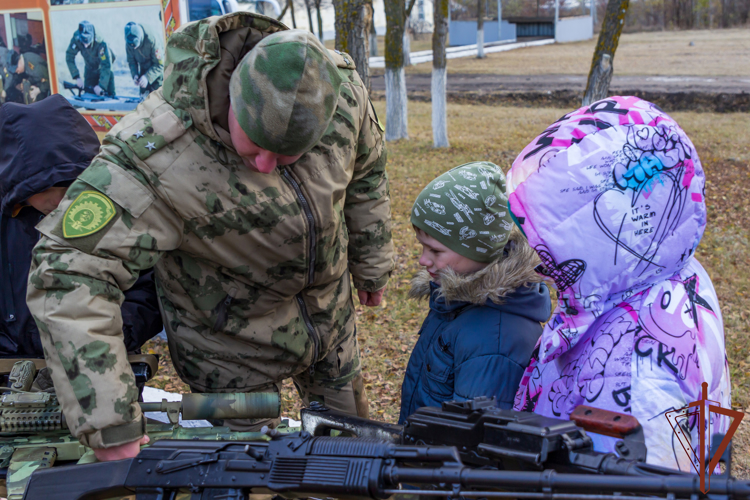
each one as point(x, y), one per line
point(373, 33)
point(289, 6)
point(353, 20)
point(439, 74)
point(309, 15)
point(600, 75)
point(320, 20)
point(407, 35)
point(396, 125)
point(480, 28)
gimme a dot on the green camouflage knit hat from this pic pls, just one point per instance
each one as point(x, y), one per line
point(466, 209)
point(284, 92)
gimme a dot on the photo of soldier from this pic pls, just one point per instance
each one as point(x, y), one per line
point(144, 59)
point(24, 71)
point(115, 57)
point(97, 58)
point(28, 78)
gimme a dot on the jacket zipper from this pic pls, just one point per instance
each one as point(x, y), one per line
point(311, 273)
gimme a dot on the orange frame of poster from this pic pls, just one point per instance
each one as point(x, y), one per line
point(100, 121)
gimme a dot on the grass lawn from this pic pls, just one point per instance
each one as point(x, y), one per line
point(497, 134)
point(663, 53)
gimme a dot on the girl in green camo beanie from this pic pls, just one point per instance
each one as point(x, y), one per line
point(486, 301)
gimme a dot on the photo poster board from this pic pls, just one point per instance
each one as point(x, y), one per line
point(49, 27)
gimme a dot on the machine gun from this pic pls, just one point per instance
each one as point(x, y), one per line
point(487, 436)
point(302, 465)
point(34, 435)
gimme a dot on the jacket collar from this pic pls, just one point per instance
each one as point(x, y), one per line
point(495, 282)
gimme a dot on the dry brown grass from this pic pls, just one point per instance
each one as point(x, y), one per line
point(662, 53)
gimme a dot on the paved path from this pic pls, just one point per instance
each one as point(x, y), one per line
point(483, 83)
point(464, 51)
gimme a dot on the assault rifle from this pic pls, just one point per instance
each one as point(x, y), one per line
point(486, 436)
point(302, 465)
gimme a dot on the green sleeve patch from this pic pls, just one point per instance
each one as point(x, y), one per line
point(88, 213)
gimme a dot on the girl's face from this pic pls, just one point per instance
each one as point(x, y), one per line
point(436, 257)
point(47, 201)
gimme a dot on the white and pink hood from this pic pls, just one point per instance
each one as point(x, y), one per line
point(611, 197)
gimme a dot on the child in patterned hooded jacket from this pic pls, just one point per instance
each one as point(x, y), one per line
point(486, 301)
point(611, 198)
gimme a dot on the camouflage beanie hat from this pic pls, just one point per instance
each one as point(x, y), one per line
point(284, 92)
point(466, 209)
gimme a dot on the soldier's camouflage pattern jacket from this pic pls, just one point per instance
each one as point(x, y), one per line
point(252, 268)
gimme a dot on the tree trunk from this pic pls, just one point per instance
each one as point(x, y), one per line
point(439, 74)
point(480, 28)
point(320, 20)
point(373, 33)
point(294, 20)
point(396, 124)
point(604, 54)
point(353, 20)
point(407, 45)
point(309, 15)
point(407, 37)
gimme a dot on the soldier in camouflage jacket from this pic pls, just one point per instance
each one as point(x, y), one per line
point(252, 268)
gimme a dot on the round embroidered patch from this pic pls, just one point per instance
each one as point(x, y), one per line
point(90, 212)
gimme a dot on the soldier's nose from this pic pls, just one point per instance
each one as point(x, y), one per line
point(266, 162)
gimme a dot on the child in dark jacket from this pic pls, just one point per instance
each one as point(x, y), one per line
point(486, 301)
point(43, 148)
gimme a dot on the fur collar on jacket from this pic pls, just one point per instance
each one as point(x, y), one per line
point(496, 281)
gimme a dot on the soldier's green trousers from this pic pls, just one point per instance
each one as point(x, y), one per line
point(337, 385)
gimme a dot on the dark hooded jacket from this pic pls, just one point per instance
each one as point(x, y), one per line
point(43, 145)
point(480, 332)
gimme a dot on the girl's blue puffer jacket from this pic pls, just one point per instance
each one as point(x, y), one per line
point(479, 334)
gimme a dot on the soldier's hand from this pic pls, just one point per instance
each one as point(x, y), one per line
point(34, 92)
point(98, 90)
point(79, 82)
point(370, 299)
point(135, 80)
point(121, 452)
point(143, 82)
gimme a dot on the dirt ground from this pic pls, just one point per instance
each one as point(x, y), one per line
point(660, 53)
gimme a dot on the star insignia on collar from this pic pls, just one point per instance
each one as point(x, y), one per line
point(138, 134)
point(150, 146)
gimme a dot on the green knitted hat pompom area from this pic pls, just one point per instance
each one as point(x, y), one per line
point(466, 210)
point(284, 92)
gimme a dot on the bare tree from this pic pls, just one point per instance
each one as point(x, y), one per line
point(353, 20)
point(309, 15)
point(480, 28)
point(604, 53)
point(407, 32)
point(373, 33)
point(320, 19)
point(396, 125)
point(439, 74)
point(289, 6)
